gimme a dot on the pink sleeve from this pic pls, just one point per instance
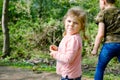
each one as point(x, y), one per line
point(72, 47)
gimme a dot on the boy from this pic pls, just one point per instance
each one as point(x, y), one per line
point(108, 21)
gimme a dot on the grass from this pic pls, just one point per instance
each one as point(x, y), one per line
point(4, 62)
point(26, 65)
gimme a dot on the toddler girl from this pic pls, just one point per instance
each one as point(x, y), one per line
point(68, 54)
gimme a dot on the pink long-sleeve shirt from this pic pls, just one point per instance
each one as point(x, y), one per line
point(68, 56)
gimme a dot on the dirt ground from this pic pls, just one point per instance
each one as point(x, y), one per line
point(10, 73)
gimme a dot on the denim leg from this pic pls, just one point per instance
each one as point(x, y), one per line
point(78, 78)
point(104, 57)
point(118, 52)
point(63, 78)
point(70, 79)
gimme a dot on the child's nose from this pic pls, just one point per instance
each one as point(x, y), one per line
point(71, 23)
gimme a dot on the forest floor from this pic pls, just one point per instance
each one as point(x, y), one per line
point(12, 73)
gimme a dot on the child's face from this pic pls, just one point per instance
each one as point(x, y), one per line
point(102, 4)
point(72, 25)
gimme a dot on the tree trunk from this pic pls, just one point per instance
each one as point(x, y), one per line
point(6, 41)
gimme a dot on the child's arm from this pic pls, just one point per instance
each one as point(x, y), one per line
point(98, 38)
point(70, 53)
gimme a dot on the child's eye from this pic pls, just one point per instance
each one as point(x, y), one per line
point(69, 20)
point(75, 23)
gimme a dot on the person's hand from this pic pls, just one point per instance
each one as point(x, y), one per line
point(52, 53)
point(94, 52)
point(53, 48)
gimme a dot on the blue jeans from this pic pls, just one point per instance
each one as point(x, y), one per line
point(79, 78)
point(108, 51)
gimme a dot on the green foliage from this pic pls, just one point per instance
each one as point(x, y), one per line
point(91, 8)
point(7, 62)
point(19, 9)
point(38, 23)
point(111, 77)
point(118, 3)
point(1, 4)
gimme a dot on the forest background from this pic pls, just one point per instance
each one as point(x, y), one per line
point(36, 24)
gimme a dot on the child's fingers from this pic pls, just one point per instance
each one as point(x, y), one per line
point(53, 47)
point(94, 53)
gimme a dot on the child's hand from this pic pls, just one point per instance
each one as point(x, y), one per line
point(94, 52)
point(53, 53)
point(53, 48)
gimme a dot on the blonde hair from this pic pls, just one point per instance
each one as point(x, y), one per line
point(81, 16)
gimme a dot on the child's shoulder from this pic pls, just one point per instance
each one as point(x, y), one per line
point(111, 10)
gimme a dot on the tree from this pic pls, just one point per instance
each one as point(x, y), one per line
point(6, 41)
